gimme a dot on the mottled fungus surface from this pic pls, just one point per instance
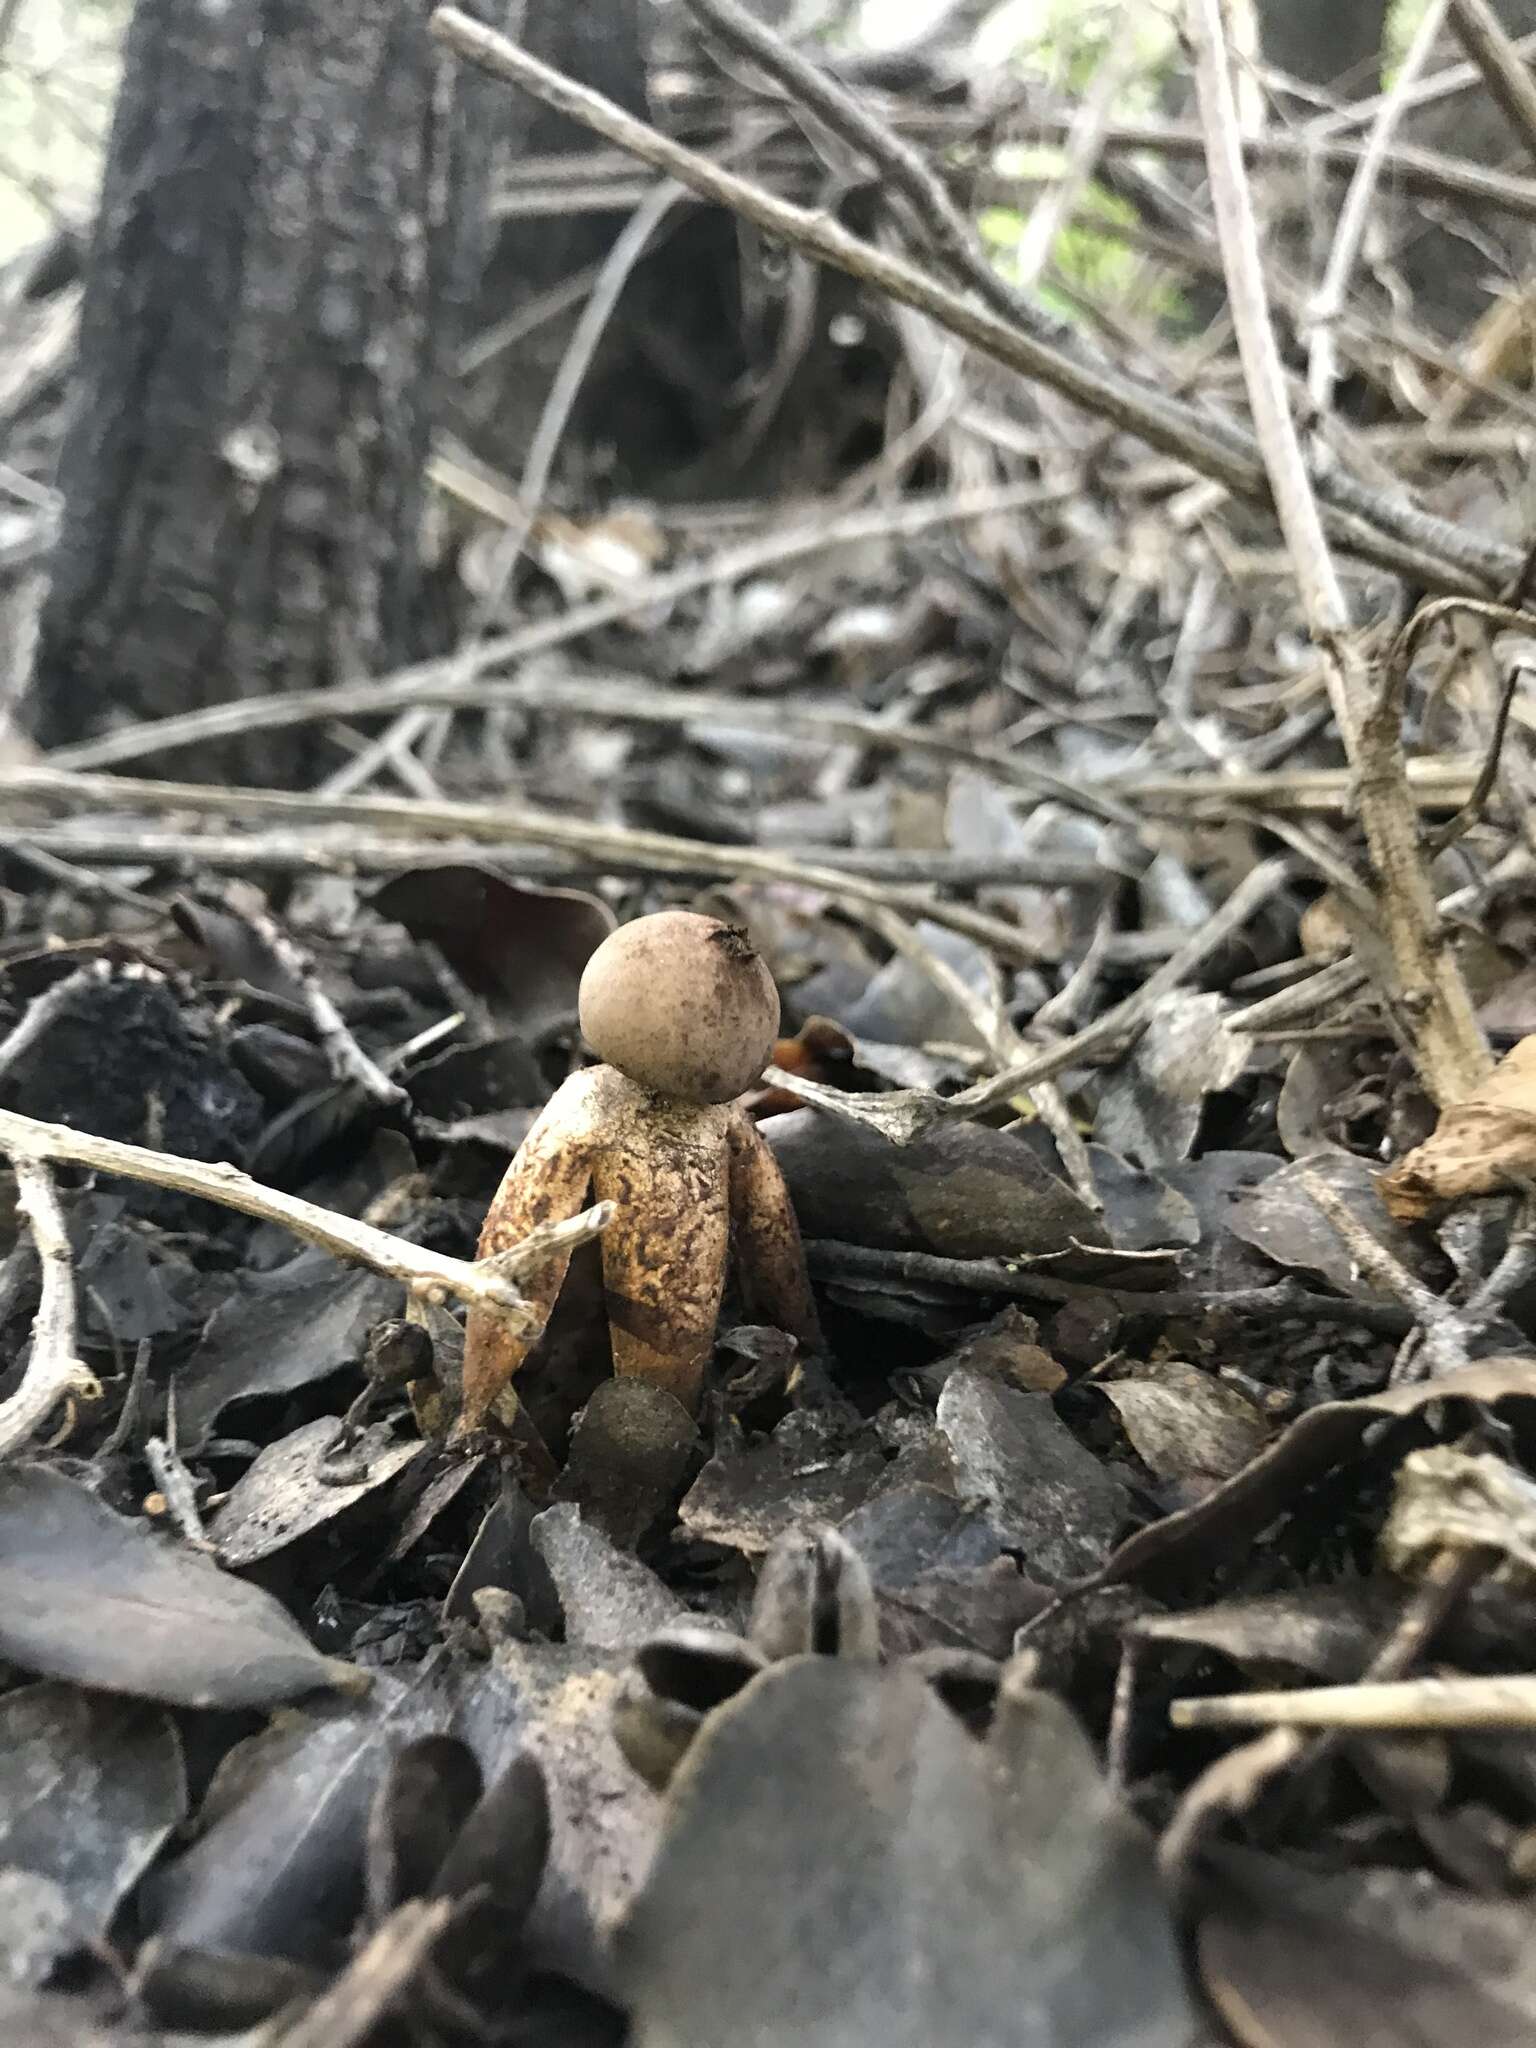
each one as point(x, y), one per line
point(684, 1013)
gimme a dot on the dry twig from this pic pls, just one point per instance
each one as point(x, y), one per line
point(1384, 528)
point(1445, 1336)
point(451, 679)
point(1449, 1049)
point(53, 1373)
point(1421, 1705)
point(904, 1114)
point(347, 1059)
point(1328, 301)
point(617, 848)
point(481, 1283)
point(1488, 43)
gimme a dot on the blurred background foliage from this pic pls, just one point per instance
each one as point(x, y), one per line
point(59, 63)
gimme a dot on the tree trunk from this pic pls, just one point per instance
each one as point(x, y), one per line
point(288, 231)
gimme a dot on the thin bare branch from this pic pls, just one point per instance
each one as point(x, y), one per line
point(1374, 523)
point(1328, 302)
point(453, 679)
point(1428, 988)
point(1417, 1704)
point(53, 1373)
point(619, 848)
point(481, 1283)
point(1502, 63)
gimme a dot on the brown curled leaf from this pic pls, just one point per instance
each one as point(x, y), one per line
point(1481, 1145)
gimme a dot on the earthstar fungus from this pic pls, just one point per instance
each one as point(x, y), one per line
point(686, 1014)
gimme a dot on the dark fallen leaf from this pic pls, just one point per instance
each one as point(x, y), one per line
point(235, 949)
point(122, 1059)
point(554, 1702)
point(909, 1530)
point(976, 1608)
point(278, 1063)
point(939, 1575)
point(278, 1868)
point(501, 1556)
point(1141, 1211)
point(89, 1596)
point(441, 1490)
point(1509, 1012)
point(611, 1601)
point(903, 1883)
point(902, 1005)
point(960, 1189)
point(1325, 1632)
point(295, 1486)
point(1151, 1103)
point(808, 1470)
point(1319, 1081)
point(279, 1331)
point(475, 1081)
point(89, 1789)
point(1048, 1498)
point(1007, 1349)
point(521, 948)
point(940, 1312)
point(1211, 1184)
point(1185, 1423)
point(904, 1066)
point(1282, 1220)
point(983, 820)
point(1296, 1957)
point(129, 1287)
point(1326, 1435)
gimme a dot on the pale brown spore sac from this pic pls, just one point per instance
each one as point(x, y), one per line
point(682, 1004)
point(689, 1175)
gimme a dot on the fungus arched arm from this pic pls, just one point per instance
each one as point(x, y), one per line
point(547, 1182)
point(770, 1260)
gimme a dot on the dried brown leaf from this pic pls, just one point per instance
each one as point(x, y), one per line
point(1482, 1144)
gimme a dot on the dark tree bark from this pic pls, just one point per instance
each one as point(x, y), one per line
point(288, 229)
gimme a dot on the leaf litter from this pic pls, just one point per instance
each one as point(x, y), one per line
point(1177, 1272)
